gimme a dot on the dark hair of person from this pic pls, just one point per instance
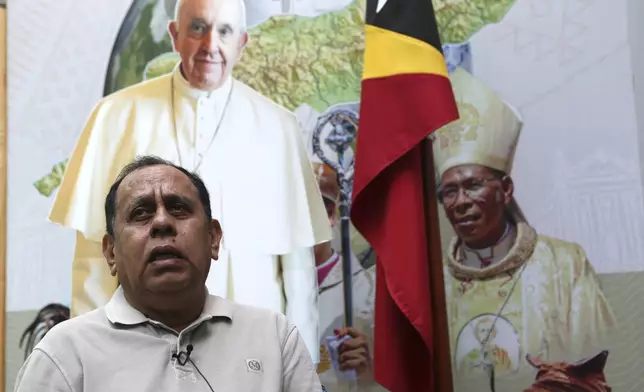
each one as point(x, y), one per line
point(48, 317)
point(143, 162)
point(498, 174)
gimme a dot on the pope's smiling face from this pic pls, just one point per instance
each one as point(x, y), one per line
point(209, 36)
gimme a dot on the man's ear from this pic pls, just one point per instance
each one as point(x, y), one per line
point(173, 30)
point(508, 189)
point(215, 235)
point(108, 252)
point(243, 41)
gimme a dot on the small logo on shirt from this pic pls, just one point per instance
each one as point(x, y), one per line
point(254, 366)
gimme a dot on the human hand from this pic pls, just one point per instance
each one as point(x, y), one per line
point(354, 353)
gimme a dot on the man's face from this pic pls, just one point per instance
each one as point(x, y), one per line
point(162, 242)
point(209, 38)
point(483, 330)
point(331, 210)
point(324, 250)
point(475, 199)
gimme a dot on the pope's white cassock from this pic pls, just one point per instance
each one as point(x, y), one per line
point(251, 155)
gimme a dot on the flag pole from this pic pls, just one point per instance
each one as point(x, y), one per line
point(347, 286)
point(442, 361)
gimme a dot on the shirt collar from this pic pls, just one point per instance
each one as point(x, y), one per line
point(119, 311)
point(495, 253)
point(184, 88)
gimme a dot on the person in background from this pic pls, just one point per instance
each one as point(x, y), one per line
point(248, 150)
point(355, 353)
point(46, 319)
point(540, 295)
point(162, 330)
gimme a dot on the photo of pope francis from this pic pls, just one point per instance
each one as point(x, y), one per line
point(248, 150)
point(540, 294)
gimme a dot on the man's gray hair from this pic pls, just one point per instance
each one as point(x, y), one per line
point(240, 3)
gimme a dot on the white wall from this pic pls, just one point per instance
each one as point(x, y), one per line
point(635, 12)
point(58, 52)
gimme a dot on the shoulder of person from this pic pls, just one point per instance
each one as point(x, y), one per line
point(250, 312)
point(148, 89)
point(62, 337)
point(266, 104)
point(559, 247)
point(118, 105)
point(248, 316)
point(566, 255)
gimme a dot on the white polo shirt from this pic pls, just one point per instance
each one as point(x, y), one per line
point(116, 348)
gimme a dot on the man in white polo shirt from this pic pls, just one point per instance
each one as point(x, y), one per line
point(162, 331)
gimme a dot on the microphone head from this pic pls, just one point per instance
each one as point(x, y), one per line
point(189, 348)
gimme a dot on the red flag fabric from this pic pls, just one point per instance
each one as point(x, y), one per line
point(406, 95)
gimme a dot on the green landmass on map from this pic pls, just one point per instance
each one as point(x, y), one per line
point(133, 59)
point(459, 20)
point(317, 61)
point(293, 60)
point(48, 184)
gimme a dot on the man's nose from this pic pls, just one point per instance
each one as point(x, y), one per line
point(163, 224)
point(462, 200)
point(210, 41)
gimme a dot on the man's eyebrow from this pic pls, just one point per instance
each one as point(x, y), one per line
point(177, 198)
point(198, 20)
point(227, 26)
point(137, 201)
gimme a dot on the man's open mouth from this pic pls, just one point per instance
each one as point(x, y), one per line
point(165, 253)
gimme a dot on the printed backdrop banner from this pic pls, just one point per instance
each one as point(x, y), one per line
point(539, 181)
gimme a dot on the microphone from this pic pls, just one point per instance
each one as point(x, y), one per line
point(182, 362)
point(183, 357)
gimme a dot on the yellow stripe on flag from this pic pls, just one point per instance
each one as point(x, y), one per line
point(388, 53)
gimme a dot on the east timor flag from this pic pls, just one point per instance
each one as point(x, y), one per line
point(406, 95)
